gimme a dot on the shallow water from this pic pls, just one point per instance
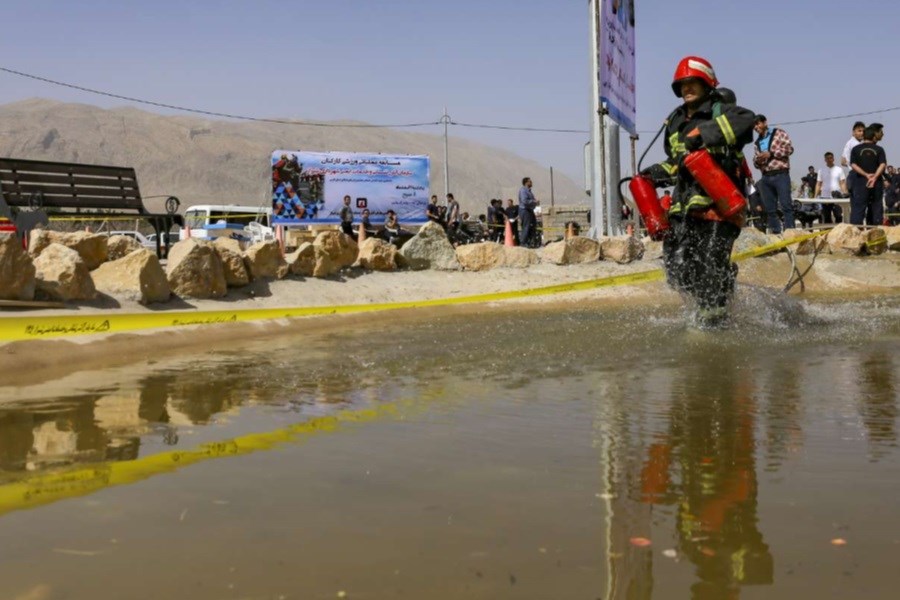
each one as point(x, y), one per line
point(530, 453)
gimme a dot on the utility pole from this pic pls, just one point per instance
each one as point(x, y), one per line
point(552, 195)
point(446, 121)
point(597, 149)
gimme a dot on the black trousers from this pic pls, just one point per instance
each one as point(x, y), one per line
point(866, 204)
point(697, 258)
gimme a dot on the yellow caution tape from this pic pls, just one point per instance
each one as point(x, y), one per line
point(43, 488)
point(46, 327)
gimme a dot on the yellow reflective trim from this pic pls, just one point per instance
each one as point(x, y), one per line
point(676, 145)
point(698, 201)
point(725, 126)
point(669, 168)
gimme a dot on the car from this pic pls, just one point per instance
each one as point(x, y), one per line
point(168, 239)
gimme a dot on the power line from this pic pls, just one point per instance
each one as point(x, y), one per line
point(371, 126)
point(209, 112)
point(511, 128)
point(861, 114)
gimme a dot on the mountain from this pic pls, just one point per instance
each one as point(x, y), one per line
point(207, 161)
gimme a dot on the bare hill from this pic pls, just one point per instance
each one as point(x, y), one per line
point(215, 161)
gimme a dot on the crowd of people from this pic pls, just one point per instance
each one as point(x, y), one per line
point(863, 180)
point(523, 219)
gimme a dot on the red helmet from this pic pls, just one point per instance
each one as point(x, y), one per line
point(693, 67)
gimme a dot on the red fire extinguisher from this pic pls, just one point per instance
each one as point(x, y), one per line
point(729, 201)
point(644, 193)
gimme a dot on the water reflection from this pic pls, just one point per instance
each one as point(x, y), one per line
point(690, 431)
point(699, 453)
point(878, 402)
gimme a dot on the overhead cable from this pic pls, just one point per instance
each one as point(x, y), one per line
point(209, 112)
point(375, 126)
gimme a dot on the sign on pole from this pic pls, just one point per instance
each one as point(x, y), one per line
point(309, 187)
point(617, 83)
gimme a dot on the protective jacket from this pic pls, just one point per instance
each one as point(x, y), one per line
point(725, 129)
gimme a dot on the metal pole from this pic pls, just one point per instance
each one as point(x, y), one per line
point(634, 140)
point(603, 227)
point(598, 211)
point(552, 195)
point(612, 173)
point(446, 121)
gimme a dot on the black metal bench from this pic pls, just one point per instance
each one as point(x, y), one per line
point(40, 184)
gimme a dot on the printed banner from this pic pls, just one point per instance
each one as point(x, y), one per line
point(309, 187)
point(617, 83)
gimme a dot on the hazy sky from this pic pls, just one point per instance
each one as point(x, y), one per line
point(498, 62)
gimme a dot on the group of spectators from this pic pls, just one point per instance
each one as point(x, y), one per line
point(869, 182)
point(491, 225)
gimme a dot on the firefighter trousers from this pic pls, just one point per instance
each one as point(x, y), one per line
point(697, 259)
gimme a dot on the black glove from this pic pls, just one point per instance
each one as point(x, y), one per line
point(692, 143)
point(657, 175)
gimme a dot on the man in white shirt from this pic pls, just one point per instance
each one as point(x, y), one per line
point(858, 128)
point(831, 184)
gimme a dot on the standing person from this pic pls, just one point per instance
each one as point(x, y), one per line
point(512, 215)
point(772, 158)
point(697, 250)
point(499, 225)
point(856, 138)
point(431, 211)
point(868, 161)
point(452, 213)
point(808, 183)
point(831, 184)
point(347, 217)
point(527, 204)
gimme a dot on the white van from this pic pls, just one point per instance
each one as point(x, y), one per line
point(212, 221)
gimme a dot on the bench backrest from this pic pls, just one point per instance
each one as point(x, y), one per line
point(69, 185)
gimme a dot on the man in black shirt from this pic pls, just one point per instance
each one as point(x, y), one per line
point(431, 211)
point(809, 182)
point(868, 161)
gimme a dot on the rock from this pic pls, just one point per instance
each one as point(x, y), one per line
point(622, 249)
point(324, 266)
point(517, 257)
point(377, 255)
point(875, 240)
point(17, 281)
point(480, 257)
point(810, 246)
point(750, 239)
point(265, 261)
point(232, 258)
point(118, 246)
point(554, 253)
point(893, 238)
point(338, 246)
point(61, 274)
point(138, 277)
point(846, 239)
point(572, 251)
point(302, 261)
point(194, 270)
point(653, 250)
point(92, 247)
point(430, 249)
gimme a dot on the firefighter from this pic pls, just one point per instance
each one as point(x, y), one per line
point(697, 249)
